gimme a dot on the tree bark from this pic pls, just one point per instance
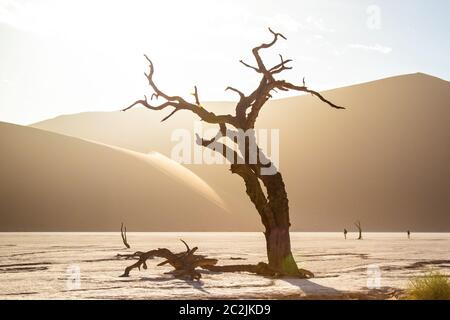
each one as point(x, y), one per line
point(274, 213)
point(278, 240)
point(279, 251)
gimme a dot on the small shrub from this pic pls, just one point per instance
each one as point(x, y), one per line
point(432, 286)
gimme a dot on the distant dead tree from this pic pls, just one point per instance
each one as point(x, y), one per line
point(271, 205)
point(358, 225)
point(123, 233)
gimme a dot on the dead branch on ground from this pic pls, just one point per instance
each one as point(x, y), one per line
point(185, 264)
point(123, 233)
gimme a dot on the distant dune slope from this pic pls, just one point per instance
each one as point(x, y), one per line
point(384, 160)
point(51, 182)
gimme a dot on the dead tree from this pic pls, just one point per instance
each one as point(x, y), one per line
point(185, 264)
point(123, 233)
point(358, 225)
point(271, 205)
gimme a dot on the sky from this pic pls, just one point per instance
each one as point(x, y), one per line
point(62, 56)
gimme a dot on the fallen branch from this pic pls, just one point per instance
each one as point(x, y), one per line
point(185, 264)
point(129, 256)
point(123, 233)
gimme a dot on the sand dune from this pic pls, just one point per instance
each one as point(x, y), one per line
point(384, 160)
point(51, 182)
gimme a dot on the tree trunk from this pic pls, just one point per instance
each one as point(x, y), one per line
point(274, 213)
point(279, 251)
point(278, 240)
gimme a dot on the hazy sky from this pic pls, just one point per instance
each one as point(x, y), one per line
point(63, 56)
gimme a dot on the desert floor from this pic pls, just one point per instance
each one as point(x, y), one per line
point(48, 265)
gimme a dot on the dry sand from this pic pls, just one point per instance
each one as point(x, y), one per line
point(384, 160)
point(38, 265)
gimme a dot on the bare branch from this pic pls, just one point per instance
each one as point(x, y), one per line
point(255, 101)
point(195, 94)
point(187, 247)
point(236, 90)
point(170, 114)
point(179, 103)
point(149, 106)
point(249, 66)
point(258, 58)
point(123, 233)
point(290, 86)
point(277, 35)
point(281, 66)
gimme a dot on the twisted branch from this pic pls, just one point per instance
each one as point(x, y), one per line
point(259, 61)
point(254, 101)
point(178, 103)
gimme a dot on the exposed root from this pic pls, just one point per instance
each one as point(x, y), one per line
point(261, 268)
point(129, 256)
point(185, 264)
